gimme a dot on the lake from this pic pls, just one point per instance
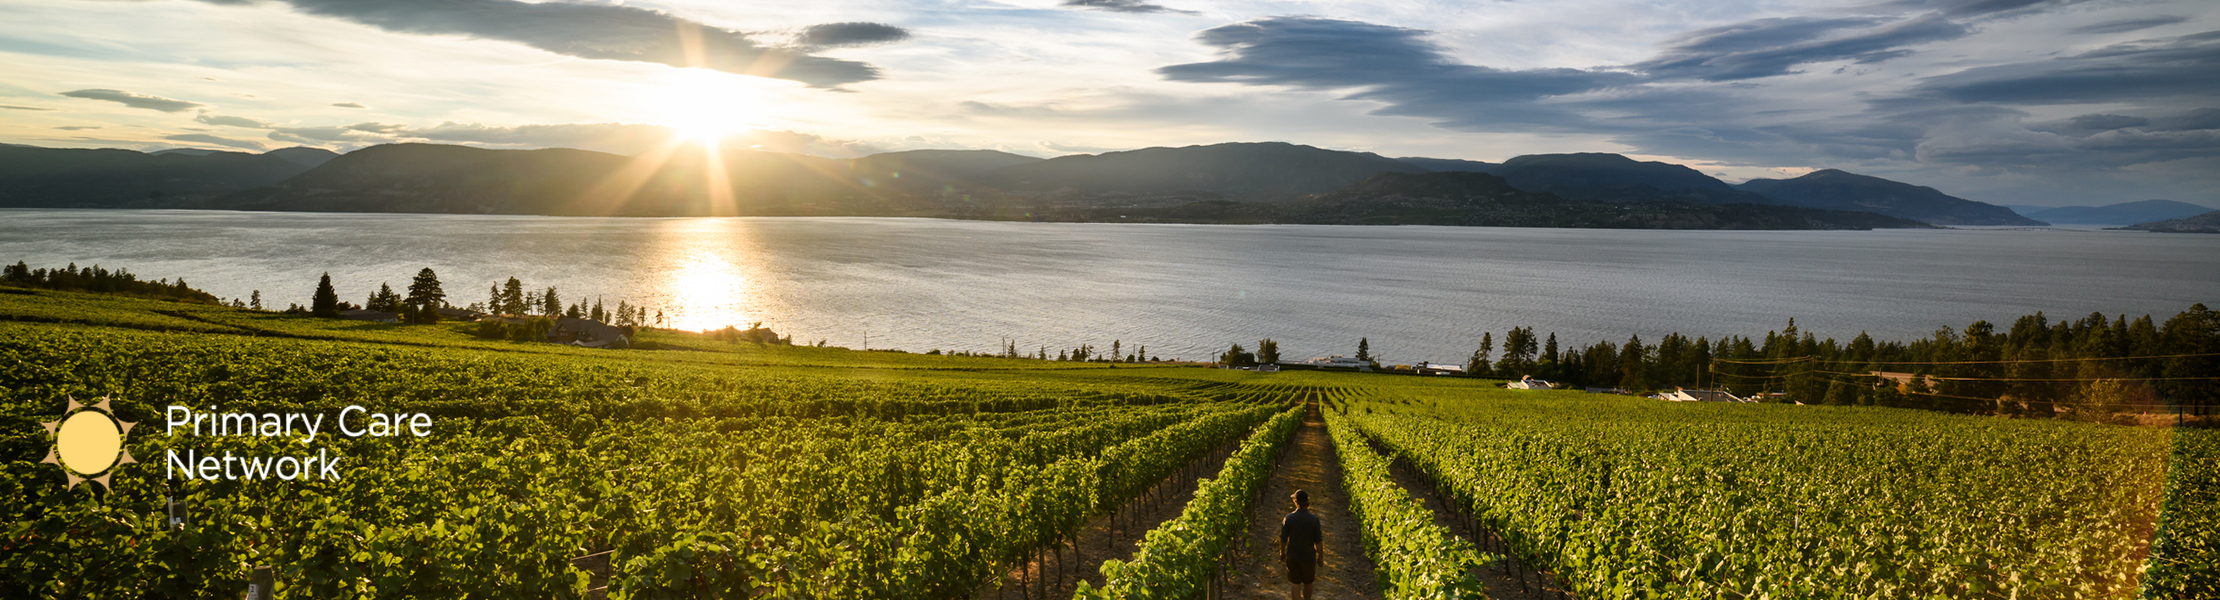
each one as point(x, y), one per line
point(1186, 291)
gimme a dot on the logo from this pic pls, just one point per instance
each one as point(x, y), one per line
point(88, 442)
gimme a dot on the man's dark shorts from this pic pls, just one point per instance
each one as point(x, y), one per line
point(1302, 572)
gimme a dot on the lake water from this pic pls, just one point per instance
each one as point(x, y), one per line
point(1188, 291)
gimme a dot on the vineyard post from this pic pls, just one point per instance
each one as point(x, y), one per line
point(262, 585)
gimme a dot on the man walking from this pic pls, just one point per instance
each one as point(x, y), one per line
point(1302, 547)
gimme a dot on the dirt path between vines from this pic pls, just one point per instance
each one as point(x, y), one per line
point(1308, 464)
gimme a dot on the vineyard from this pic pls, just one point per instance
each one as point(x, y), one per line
point(710, 469)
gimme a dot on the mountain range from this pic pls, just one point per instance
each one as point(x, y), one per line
point(2204, 223)
point(1232, 182)
point(2124, 213)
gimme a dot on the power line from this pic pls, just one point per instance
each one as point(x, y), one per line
point(1780, 361)
point(1936, 378)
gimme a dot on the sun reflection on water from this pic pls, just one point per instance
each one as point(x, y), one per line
point(711, 279)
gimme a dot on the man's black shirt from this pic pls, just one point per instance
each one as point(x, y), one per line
point(1300, 531)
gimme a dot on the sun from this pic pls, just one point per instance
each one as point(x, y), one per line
point(88, 442)
point(705, 106)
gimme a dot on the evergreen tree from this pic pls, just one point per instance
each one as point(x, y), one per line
point(493, 299)
point(1519, 347)
point(598, 313)
point(326, 302)
point(1364, 349)
point(1477, 365)
point(1634, 365)
point(384, 300)
point(551, 304)
point(512, 298)
point(1115, 351)
point(1550, 358)
point(257, 302)
point(1267, 352)
point(424, 292)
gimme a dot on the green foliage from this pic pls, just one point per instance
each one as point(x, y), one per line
point(2185, 550)
point(1637, 498)
point(1175, 560)
point(102, 281)
point(1415, 558)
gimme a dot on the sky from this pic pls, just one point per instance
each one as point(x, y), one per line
point(2034, 102)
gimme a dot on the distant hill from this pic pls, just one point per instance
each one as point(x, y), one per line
point(2125, 213)
point(2204, 223)
point(1267, 171)
point(32, 177)
point(929, 170)
point(1839, 190)
point(1448, 164)
point(433, 178)
point(1613, 178)
point(1480, 199)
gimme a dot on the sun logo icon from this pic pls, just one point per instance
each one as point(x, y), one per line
point(88, 442)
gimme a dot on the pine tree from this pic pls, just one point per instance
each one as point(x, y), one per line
point(1364, 349)
point(551, 304)
point(385, 300)
point(326, 302)
point(1634, 366)
point(512, 298)
point(424, 292)
point(1478, 363)
point(598, 313)
point(256, 303)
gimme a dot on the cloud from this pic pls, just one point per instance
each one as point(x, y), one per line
point(2101, 122)
point(77, 127)
point(23, 107)
point(2134, 71)
point(203, 138)
point(2203, 118)
point(214, 119)
point(2127, 25)
point(1392, 65)
point(1769, 47)
point(334, 133)
point(136, 100)
point(595, 31)
point(848, 35)
point(349, 105)
point(621, 138)
point(624, 138)
point(1124, 6)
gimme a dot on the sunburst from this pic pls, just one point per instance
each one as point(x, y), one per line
point(88, 442)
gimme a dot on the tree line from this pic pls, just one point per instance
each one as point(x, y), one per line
point(101, 281)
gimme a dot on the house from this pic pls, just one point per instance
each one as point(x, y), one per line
point(1427, 368)
point(1339, 361)
point(1687, 395)
point(449, 313)
point(1528, 382)
point(588, 333)
point(375, 316)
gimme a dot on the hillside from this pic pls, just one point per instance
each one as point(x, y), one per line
point(928, 170)
point(1838, 190)
point(2125, 213)
point(1480, 199)
point(1264, 172)
point(32, 177)
point(1613, 178)
point(2204, 223)
point(1468, 198)
point(430, 178)
point(1449, 164)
